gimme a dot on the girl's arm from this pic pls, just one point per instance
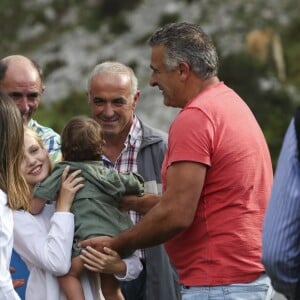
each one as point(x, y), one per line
point(45, 240)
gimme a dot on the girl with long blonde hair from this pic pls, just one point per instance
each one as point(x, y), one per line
point(14, 191)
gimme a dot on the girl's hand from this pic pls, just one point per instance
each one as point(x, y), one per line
point(70, 184)
point(108, 262)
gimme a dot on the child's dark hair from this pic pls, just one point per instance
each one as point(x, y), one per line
point(82, 140)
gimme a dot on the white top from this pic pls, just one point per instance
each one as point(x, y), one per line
point(7, 291)
point(44, 242)
point(133, 267)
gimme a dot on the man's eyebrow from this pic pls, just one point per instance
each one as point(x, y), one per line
point(106, 100)
point(154, 69)
point(24, 94)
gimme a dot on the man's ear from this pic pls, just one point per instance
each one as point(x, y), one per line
point(136, 99)
point(184, 70)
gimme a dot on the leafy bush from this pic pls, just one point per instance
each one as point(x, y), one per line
point(273, 108)
point(57, 115)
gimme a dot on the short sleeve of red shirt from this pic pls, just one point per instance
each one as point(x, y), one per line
point(190, 139)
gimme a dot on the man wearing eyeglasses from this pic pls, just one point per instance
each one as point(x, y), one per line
point(22, 79)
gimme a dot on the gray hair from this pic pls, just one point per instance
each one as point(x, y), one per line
point(113, 67)
point(187, 42)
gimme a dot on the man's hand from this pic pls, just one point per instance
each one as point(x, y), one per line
point(108, 262)
point(128, 203)
point(97, 243)
point(139, 203)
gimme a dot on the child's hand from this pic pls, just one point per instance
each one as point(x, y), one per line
point(69, 187)
point(108, 262)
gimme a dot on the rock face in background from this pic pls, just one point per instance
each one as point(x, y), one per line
point(69, 37)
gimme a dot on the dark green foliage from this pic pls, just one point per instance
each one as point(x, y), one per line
point(168, 18)
point(52, 66)
point(12, 16)
point(119, 25)
point(133, 65)
point(57, 115)
point(142, 40)
point(113, 7)
point(111, 11)
point(290, 40)
point(273, 108)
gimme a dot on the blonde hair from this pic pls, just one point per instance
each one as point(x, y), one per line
point(12, 181)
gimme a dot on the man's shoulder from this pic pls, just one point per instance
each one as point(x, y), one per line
point(42, 130)
point(151, 132)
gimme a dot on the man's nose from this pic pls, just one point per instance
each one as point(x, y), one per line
point(108, 109)
point(23, 105)
point(152, 81)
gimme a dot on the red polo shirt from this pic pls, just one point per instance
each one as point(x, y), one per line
point(223, 244)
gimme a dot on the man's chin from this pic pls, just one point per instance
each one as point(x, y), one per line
point(167, 102)
point(26, 118)
point(109, 133)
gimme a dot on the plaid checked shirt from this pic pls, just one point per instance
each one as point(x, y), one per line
point(50, 138)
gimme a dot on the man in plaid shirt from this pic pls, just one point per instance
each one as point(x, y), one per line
point(22, 79)
point(131, 145)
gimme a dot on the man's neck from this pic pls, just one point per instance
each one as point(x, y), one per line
point(113, 146)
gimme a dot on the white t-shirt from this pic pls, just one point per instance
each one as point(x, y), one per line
point(44, 242)
point(7, 291)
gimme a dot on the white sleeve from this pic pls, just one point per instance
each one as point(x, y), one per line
point(46, 248)
point(134, 267)
point(7, 291)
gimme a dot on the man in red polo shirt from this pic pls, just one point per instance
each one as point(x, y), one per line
point(217, 176)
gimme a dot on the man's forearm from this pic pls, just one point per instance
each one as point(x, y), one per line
point(147, 202)
point(156, 227)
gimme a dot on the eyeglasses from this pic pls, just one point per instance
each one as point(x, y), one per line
point(16, 96)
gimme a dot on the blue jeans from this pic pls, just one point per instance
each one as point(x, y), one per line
point(259, 289)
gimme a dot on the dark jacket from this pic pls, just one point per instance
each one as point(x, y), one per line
point(162, 280)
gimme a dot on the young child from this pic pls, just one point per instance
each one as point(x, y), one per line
point(96, 205)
